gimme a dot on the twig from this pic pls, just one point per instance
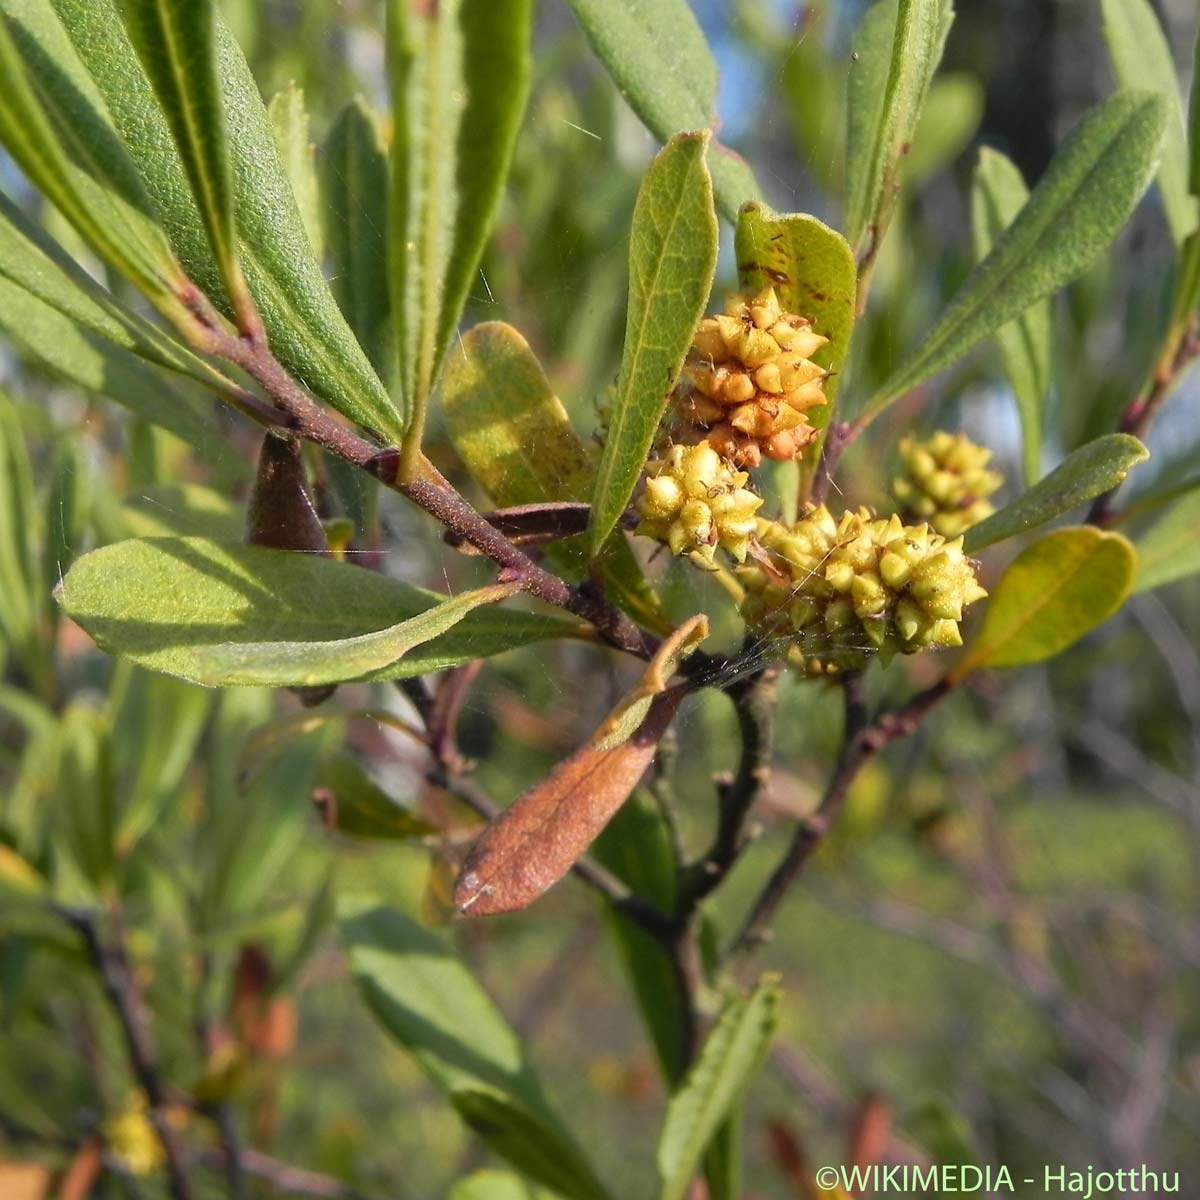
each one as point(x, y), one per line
point(299, 413)
point(753, 699)
point(284, 1177)
point(121, 990)
point(861, 741)
point(1182, 346)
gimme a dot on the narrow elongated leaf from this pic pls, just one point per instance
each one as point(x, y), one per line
point(1053, 592)
point(657, 56)
point(672, 256)
point(306, 329)
point(998, 193)
point(460, 75)
point(50, 134)
point(95, 364)
point(306, 663)
point(354, 190)
point(1170, 548)
point(18, 532)
point(813, 272)
point(1078, 207)
point(517, 441)
point(531, 845)
point(172, 604)
point(298, 156)
point(428, 1000)
point(32, 260)
point(636, 846)
point(731, 1055)
point(174, 39)
point(883, 117)
point(497, 67)
point(949, 119)
point(1084, 474)
point(1141, 57)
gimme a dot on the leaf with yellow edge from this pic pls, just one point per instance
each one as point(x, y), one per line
point(624, 720)
point(1055, 591)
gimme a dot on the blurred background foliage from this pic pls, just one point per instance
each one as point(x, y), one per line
point(996, 957)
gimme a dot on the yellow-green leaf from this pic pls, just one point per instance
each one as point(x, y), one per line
point(1055, 591)
point(1170, 548)
point(298, 156)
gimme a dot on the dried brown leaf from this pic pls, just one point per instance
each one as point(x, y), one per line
point(534, 843)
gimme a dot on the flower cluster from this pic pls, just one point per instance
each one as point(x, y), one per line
point(695, 502)
point(846, 589)
point(946, 481)
point(749, 382)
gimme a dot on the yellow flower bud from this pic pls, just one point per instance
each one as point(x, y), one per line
point(696, 503)
point(749, 382)
point(946, 481)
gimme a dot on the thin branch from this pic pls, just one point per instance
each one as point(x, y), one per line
point(1182, 346)
point(284, 1177)
point(301, 414)
point(121, 989)
point(861, 741)
point(753, 699)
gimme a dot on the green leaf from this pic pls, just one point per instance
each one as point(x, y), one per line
point(297, 154)
point(428, 1000)
point(731, 1055)
point(182, 510)
point(813, 272)
point(305, 663)
point(86, 823)
point(1170, 548)
point(51, 132)
point(188, 607)
point(515, 438)
point(636, 847)
point(94, 363)
point(1084, 474)
point(672, 256)
point(951, 115)
point(31, 259)
point(1141, 57)
point(354, 189)
point(18, 534)
point(174, 39)
point(460, 76)
point(66, 508)
point(495, 1185)
point(657, 56)
point(355, 805)
point(998, 193)
point(1054, 591)
point(306, 329)
point(1078, 207)
point(883, 109)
